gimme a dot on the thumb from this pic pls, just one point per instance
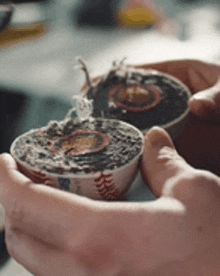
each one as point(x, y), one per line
point(160, 160)
point(206, 103)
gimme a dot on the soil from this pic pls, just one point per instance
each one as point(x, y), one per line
point(34, 147)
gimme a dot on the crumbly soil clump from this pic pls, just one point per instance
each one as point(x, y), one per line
point(34, 147)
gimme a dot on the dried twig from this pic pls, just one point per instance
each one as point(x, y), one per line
point(84, 68)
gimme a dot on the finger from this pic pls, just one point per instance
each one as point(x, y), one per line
point(195, 74)
point(197, 80)
point(176, 68)
point(40, 258)
point(160, 161)
point(206, 73)
point(40, 210)
point(206, 103)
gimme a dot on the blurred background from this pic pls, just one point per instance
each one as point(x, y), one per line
point(39, 48)
point(38, 51)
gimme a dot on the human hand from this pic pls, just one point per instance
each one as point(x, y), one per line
point(52, 232)
point(199, 144)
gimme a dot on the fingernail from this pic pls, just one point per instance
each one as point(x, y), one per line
point(205, 96)
point(158, 137)
point(200, 105)
point(197, 96)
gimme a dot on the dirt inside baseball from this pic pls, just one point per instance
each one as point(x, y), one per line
point(34, 147)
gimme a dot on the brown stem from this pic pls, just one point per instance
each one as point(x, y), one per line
point(84, 68)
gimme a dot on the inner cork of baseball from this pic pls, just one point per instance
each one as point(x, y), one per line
point(135, 94)
point(83, 142)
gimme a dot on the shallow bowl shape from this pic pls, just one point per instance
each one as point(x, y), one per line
point(104, 184)
point(171, 89)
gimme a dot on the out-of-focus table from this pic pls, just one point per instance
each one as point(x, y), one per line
point(44, 68)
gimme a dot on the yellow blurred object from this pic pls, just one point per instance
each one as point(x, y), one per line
point(139, 17)
point(14, 35)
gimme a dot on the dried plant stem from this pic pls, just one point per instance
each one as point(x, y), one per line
point(84, 68)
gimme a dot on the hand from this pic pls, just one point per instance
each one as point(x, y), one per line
point(199, 144)
point(52, 232)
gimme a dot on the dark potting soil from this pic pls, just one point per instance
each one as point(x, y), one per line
point(174, 102)
point(33, 148)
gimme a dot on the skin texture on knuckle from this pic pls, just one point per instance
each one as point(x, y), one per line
point(103, 244)
point(197, 187)
point(15, 213)
point(92, 250)
point(88, 244)
point(170, 158)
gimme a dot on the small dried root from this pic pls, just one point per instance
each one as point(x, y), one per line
point(84, 68)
